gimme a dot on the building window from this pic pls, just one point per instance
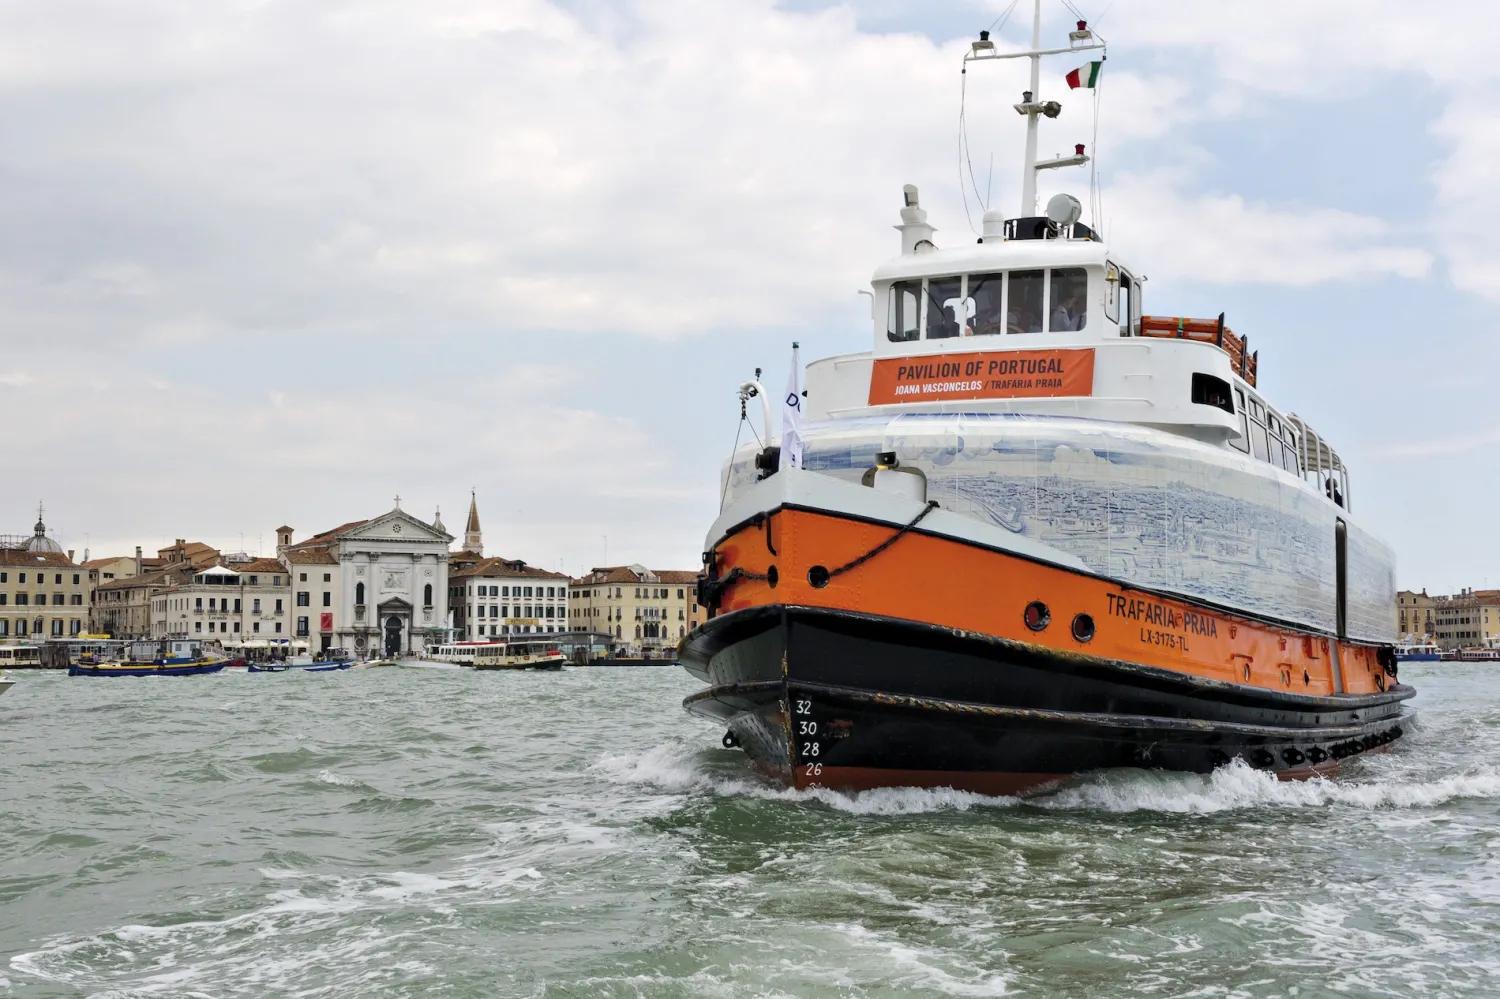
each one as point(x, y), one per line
point(236, 605)
point(75, 627)
point(255, 626)
point(426, 596)
point(23, 599)
point(278, 627)
point(77, 600)
point(481, 611)
point(197, 603)
point(278, 610)
point(254, 580)
point(328, 598)
point(327, 577)
point(58, 600)
point(198, 626)
point(301, 627)
point(302, 577)
point(304, 599)
point(359, 594)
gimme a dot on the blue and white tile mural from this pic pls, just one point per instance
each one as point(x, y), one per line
point(1133, 503)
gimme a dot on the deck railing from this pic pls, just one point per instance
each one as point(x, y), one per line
point(1211, 331)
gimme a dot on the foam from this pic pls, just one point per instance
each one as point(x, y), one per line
point(680, 769)
point(1240, 786)
point(341, 780)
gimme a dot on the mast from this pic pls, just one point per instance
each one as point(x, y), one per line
point(1081, 40)
point(1028, 173)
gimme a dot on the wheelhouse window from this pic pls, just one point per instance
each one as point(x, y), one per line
point(904, 318)
point(1070, 296)
point(947, 309)
point(1024, 306)
point(986, 304)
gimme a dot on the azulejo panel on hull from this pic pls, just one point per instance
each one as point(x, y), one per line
point(1132, 502)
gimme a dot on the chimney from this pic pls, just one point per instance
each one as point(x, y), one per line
point(137, 560)
point(70, 554)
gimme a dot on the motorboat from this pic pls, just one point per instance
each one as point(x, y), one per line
point(520, 652)
point(1034, 531)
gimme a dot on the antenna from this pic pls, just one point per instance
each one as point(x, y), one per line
point(1031, 106)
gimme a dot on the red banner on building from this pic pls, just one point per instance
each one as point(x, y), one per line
point(325, 621)
point(994, 374)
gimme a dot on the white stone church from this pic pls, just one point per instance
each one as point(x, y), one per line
point(388, 579)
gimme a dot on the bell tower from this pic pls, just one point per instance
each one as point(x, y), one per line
point(473, 540)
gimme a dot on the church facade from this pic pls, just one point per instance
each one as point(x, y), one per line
point(391, 583)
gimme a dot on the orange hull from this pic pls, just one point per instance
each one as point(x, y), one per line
point(848, 653)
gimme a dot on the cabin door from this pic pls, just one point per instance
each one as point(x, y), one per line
point(1341, 578)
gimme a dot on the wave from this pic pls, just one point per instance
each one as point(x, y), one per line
point(681, 769)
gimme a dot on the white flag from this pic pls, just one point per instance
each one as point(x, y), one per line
point(791, 416)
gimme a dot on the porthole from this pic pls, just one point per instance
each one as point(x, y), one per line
point(1083, 627)
point(1037, 616)
point(772, 577)
point(817, 577)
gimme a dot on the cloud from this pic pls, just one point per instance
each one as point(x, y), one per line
point(1223, 239)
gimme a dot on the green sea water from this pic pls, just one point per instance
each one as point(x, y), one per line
point(446, 833)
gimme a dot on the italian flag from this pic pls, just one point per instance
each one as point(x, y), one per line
point(1084, 76)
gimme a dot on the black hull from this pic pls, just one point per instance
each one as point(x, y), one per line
point(832, 698)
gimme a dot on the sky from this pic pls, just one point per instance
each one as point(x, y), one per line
point(267, 262)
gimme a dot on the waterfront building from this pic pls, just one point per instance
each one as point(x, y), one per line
point(123, 607)
point(104, 570)
point(648, 611)
point(388, 577)
point(492, 597)
point(248, 603)
point(43, 592)
point(1467, 619)
point(1414, 612)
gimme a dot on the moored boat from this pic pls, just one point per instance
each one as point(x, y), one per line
point(171, 657)
point(1034, 532)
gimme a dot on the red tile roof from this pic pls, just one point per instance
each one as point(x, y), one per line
point(22, 559)
point(501, 567)
point(260, 565)
point(317, 556)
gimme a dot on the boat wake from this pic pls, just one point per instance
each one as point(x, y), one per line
point(1392, 783)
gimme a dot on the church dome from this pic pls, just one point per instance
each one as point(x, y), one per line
point(39, 541)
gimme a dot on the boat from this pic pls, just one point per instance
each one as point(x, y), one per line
point(5, 683)
point(20, 657)
point(1035, 532)
point(520, 652)
point(271, 666)
point(328, 666)
point(1483, 654)
point(169, 657)
point(1418, 652)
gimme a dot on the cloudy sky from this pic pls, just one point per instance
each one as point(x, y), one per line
point(267, 262)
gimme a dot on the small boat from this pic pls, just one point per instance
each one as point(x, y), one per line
point(1418, 652)
point(158, 658)
point(328, 666)
point(268, 667)
point(521, 652)
point(6, 684)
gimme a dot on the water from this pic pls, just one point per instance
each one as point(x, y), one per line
point(450, 833)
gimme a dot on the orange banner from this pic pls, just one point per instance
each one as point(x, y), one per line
point(994, 374)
